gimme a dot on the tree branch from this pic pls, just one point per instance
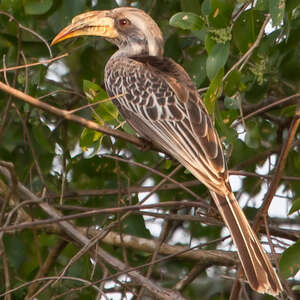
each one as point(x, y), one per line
point(65, 114)
point(82, 240)
point(47, 265)
point(278, 170)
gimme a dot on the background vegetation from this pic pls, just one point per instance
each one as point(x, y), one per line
point(72, 187)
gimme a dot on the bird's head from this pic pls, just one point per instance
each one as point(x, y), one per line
point(131, 29)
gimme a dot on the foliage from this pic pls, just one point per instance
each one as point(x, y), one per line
point(246, 65)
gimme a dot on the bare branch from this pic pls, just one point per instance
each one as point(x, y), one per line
point(82, 240)
point(68, 116)
point(278, 170)
point(247, 55)
point(47, 265)
point(47, 61)
point(265, 108)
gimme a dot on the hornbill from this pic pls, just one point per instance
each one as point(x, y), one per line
point(157, 98)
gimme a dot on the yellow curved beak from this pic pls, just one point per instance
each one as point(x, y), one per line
point(95, 23)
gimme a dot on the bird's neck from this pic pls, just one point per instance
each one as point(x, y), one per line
point(133, 49)
point(144, 47)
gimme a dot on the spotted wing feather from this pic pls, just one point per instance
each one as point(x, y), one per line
point(161, 103)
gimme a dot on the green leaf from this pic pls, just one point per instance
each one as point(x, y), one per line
point(288, 111)
point(268, 132)
point(276, 8)
point(295, 207)
point(67, 10)
point(187, 21)
point(101, 95)
point(90, 87)
point(220, 13)
point(252, 137)
point(231, 103)
point(168, 164)
point(107, 111)
point(15, 247)
point(89, 138)
point(11, 6)
point(206, 7)
point(135, 225)
point(255, 93)
point(37, 7)
point(209, 232)
point(191, 5)
point(232, 83)
point(246, 29)
point(291, 5)
point(209, 43)
point(223, 121)
point(41, 135)
point(289, 263)
point(213, 92)
point(216, 59)
point(197, 69)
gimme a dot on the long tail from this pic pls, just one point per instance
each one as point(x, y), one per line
point(256, 264)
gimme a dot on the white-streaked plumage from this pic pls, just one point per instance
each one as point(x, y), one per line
point(158, 99)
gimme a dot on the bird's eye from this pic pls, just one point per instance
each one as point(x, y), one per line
point(123, 22)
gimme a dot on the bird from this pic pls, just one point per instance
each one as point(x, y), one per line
point(156, 96)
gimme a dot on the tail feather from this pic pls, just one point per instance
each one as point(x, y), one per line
point(182, 145)
point(255, 262)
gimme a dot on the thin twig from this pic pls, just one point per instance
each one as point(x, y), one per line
point(247, 55)
point(278, 170)
point(51, 278)
point(188, 278)
point(266, 108)
point(68, 116)
point(47, 265)
point(43, 62)
point(30, 144)
point(179, 184)
point(12, 18)
point(95, 212)
point(81, 239)
point(19, 49)
point(5, 267)
point(94, 104)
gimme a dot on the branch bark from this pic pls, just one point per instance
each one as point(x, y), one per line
point(81, 239)
point(278, 170)
point(65, 114)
